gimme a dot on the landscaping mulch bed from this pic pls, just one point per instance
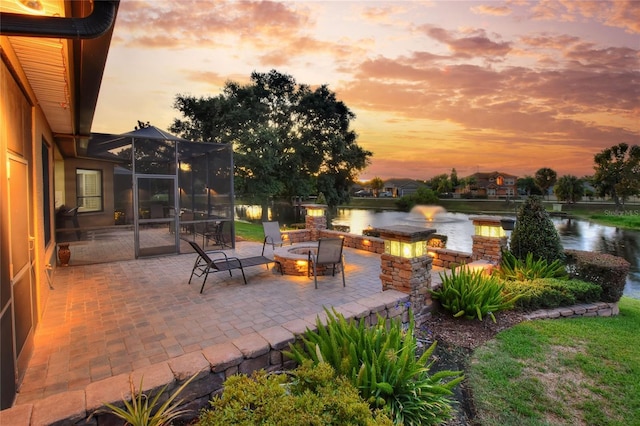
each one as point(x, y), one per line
point(457, 338)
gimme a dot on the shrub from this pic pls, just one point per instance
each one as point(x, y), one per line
point(546, 293)
point(608, 271)
point(512, 268)
point(321, 199)
point(535, 233)
point(472, 294)
point(308, 395)
point(381, 362)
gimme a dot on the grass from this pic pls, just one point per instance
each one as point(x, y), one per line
point(561, 372)
point(622, 221)
point(249, 231)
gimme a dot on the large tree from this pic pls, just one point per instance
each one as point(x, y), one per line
point(288, 139)
point(528, 185)
point(440, 183)
point(569, 188)
point(545, 178)
point(617, 172)
point(376, 184)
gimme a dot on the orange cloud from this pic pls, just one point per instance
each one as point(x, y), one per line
point(491, 10)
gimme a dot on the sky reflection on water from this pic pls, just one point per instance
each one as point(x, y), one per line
point(574, 234)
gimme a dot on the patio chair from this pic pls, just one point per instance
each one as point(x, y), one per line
point(329, 253)
point(272, 235)
point(211, 231)
point(216, 233)
point(205, 265)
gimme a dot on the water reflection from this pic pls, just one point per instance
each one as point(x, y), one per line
point(574, 234)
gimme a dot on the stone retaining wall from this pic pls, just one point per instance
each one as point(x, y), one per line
point(297, 236)
point(213, 365)
point(446, 258)
point(597, 309)
point(358, 242)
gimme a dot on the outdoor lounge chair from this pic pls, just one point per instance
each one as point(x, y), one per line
point(329, 253)
point(205, 265)
point(272, 235)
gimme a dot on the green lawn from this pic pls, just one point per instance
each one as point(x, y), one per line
point(249, 231)
point(561, 372)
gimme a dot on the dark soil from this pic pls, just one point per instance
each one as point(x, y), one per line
point(457, 338)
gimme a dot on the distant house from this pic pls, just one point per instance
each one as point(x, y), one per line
point(401, 187)
point(489, 185)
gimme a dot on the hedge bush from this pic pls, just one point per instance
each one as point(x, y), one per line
point(546, 293)
point(308, 395)
point(535, 233)
point(608, 271)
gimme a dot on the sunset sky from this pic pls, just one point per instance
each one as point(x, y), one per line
point(487, 85)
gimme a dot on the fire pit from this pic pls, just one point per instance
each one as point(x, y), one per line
point(294, 259)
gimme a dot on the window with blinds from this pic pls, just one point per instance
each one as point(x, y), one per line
point(89, 190)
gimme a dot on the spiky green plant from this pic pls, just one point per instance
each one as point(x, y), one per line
point(529, 268)
point(473, 294)
point(381, 361)
point(144, 411)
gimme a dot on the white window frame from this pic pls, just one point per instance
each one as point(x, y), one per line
point(89, 192)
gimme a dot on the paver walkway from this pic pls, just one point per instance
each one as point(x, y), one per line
point(111, 318)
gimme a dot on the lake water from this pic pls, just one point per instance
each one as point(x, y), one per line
point(574, 234)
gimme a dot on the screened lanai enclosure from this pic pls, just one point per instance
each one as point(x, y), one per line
point(143, 194)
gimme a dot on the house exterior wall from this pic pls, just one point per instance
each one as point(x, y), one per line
point(89, 219)
point(24, 289)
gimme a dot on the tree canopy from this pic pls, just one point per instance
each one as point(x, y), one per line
point(617, 171)
point(377, 184)
point(289, 140)
point(528, 185)
point(545, 178)
point(569, 188)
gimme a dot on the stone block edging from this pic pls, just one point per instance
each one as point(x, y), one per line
point(212, 365)
point(597, 309)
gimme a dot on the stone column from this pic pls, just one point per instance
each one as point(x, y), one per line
point(315, 219)
point(406, 266)
point(489, 239)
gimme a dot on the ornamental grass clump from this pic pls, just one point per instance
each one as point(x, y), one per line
point(473, 294)
point(382, 363)
point(144, 410)
point(529, 268)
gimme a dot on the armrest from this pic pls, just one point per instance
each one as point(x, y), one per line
point(219, 252)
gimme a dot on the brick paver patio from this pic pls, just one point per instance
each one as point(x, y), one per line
point(106, 319)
